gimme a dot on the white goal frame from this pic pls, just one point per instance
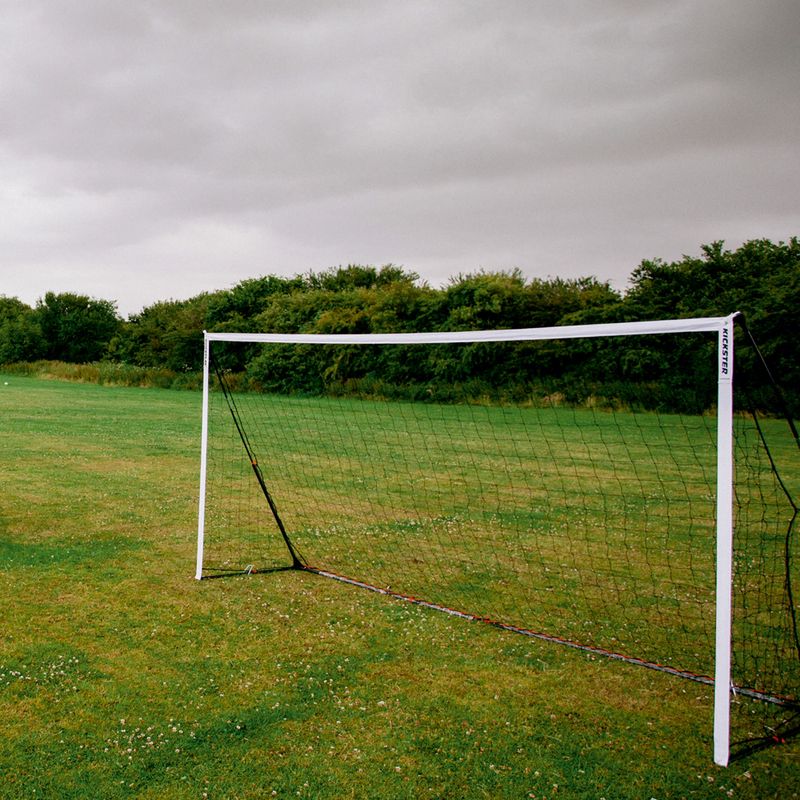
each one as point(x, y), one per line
point(722, 326)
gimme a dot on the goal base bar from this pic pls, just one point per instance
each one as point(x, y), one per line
point(598, 651)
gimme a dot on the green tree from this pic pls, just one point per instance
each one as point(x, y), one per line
point(356, 276)
point(404, 307)
point(20, 335)
point(237, 308)
point(487, 300)
point(76, 328)
point(166, 335)
point(760, 279)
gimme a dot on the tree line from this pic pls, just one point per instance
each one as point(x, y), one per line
point(760, 278)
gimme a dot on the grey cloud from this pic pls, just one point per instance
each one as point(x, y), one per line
point(456, 133)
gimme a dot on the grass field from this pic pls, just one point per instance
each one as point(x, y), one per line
point(121, 676)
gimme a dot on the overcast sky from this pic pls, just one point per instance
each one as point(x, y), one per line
point(155, 149)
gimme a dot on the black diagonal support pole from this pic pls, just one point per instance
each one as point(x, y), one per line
point(297, 561)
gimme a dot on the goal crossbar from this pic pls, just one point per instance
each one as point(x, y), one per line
point(693, 325)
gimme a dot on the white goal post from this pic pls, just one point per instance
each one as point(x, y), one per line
point(721, 326)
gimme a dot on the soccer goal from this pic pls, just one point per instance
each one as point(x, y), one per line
point(613, 488)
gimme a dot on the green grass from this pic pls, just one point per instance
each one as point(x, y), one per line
point(121, 676)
